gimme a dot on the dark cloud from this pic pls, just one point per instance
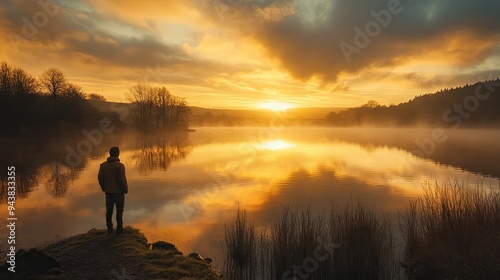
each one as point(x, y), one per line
point(132, 52)
point(307, 42)
point(82, 32)
point(79, 35)
point(98, 38)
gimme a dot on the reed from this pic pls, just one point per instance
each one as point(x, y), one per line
point(452, 232)
point(366, 244)
point(240, 240)
point(351, 243)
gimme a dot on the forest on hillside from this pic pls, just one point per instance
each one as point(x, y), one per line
point(474, 105)
point(50, 103)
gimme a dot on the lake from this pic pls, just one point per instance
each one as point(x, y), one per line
point(183, 188)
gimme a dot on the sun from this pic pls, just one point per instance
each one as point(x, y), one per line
point(275, 106)
point(276, 145)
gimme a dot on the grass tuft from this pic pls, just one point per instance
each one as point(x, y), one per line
point(449, 232)
point(352, 243)
point(453, 232)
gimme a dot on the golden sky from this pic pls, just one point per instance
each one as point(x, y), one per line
point(242, 53)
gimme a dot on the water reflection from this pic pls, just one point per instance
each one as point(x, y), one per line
point(302, 189)
point(38, 162)
point(158, 151)
point(56, 178)
point(473, 150)
point(212, 172)
point(55, 164)
point(276, 145)
point(24, 184)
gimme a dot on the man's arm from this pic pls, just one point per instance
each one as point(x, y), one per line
point(101, 179)
point(123, 179)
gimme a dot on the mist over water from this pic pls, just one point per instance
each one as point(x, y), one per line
point(184, 187)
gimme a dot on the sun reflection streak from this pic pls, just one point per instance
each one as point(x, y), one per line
point(276, 145)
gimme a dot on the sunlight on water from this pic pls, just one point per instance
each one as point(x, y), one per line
point(183, 189)
point(276, 145)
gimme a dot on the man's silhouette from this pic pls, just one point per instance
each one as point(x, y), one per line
point(114, 183)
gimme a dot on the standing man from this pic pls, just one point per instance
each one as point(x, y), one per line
point(114, 183)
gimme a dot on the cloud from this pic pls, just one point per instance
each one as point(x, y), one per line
point(145, 12)
point(462, 33)
point(72, 31)
point(83, 37)
point(244, 50)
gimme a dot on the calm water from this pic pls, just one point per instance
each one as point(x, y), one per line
point(183, 188)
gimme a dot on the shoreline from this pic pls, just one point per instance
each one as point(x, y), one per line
point(98, 255)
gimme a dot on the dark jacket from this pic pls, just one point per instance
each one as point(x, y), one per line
point(112, 176)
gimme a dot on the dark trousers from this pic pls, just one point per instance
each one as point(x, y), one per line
point(111, 200)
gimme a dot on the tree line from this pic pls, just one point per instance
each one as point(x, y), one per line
point(29, 102)
point(473, 105)
point(49, 101)
point(156, 106)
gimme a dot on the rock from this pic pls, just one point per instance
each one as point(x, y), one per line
point(197, 256)
point(162, 245)
point(35, 262)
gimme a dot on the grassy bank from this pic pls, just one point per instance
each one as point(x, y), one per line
point(450, 232)
point(97, 255)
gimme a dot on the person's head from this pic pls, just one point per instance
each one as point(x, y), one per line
point(114, 152)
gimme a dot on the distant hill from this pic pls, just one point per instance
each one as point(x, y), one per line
point(231, 117)
point(474, 105)
point(297, 113)
point(240, 117)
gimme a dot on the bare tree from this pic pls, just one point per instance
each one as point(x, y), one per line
point(54, 82)
point(15, 81)
point(162, 97)
point(181, 113)
point(155, 105)
point(97, 97)
point(140, 96)
point(73, 91)
point(371, 104)
point(5, 79)
point(23, 83)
